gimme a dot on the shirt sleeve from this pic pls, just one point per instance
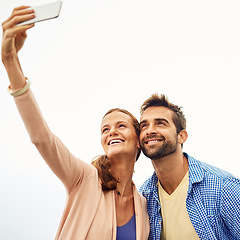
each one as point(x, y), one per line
point(69, 169)
point(230, 206)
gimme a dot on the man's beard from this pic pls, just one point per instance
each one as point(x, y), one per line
point(157, 152)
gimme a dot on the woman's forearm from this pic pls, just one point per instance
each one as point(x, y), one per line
point(15, 73)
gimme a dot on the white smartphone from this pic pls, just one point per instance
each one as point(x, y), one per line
point(44, 12)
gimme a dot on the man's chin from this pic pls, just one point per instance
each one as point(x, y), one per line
point(156, 154)
point(150, 154)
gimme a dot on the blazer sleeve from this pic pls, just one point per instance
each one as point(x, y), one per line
point(69, 169)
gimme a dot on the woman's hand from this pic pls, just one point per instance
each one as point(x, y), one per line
point(15, 36)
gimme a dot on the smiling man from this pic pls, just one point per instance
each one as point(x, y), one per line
point(187, 199)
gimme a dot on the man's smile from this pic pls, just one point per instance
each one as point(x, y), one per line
point(153, 141)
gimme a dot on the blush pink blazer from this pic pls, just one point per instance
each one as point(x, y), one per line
point(89, 212)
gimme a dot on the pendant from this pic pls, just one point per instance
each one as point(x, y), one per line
point(118, 193)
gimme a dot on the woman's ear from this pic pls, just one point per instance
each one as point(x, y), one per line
point(182, 136)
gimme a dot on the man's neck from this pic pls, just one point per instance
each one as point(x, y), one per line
point(171, 170)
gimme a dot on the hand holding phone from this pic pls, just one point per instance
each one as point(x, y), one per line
point(44, 12)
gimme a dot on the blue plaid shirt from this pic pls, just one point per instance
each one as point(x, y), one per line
point(213, 202)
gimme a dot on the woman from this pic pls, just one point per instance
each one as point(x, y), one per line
point(102, 201)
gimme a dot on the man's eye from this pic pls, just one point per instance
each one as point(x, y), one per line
point(143, 126)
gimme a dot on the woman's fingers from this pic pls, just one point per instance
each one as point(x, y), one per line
point(14, 36)
point(13, 39)
point(20, 8)
point(18, 15)
point(18, 11)
point(17, 30)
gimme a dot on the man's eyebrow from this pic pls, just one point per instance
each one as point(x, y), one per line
point(143, 121)
point(155, 120)
point(161, 120)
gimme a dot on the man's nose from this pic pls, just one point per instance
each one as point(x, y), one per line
point(151, 129)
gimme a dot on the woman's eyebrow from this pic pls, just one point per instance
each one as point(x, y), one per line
point(122, 122)
point(118, 122)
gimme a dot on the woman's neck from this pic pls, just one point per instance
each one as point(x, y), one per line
point(123, 171)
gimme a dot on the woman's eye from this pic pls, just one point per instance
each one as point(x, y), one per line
point(104, 130)
point(122, 126)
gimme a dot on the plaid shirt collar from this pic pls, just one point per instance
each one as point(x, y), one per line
point(196, 175)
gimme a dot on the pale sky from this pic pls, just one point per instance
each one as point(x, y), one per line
point(103, 54)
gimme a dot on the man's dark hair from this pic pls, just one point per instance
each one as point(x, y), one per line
point(162, 101)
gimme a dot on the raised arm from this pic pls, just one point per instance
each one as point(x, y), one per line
point(68, 168)
point(12, 41)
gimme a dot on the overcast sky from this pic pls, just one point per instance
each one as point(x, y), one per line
point(103, 54)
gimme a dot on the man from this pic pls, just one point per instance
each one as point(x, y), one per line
point(187, 199)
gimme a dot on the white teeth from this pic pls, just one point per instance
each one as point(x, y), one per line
point(115, 141)
point(153, 141)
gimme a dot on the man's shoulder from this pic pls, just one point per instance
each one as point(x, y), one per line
point(149, 185)
point(204, 172)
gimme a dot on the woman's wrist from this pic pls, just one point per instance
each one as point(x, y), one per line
point(18, 92)
point(14, 71)
point(10, 59)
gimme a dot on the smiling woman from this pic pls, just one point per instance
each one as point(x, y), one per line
point(100, 198)
point(116, 124)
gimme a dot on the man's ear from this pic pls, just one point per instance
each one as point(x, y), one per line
point(182, 136)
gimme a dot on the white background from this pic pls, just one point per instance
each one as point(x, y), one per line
point(103, 54)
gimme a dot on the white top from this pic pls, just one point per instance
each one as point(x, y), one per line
point(176, 222)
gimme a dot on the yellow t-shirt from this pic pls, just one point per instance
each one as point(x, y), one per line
point(176, 222)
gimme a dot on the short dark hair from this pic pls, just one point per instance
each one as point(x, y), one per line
point(157, 100)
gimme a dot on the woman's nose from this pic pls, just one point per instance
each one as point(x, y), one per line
point(113, 132)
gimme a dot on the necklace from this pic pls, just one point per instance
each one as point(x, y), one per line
point(118, 193)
